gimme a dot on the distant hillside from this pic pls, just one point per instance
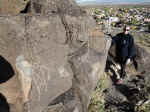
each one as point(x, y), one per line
point(146, 5)
point(113, 3)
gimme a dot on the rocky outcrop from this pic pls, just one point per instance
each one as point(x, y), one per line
point(56, 58)
point(133, 94)
point(13, 6)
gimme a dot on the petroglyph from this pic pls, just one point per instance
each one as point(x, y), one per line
point(41, 77)
point(63, 72)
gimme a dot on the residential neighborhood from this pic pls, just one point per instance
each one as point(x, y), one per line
point(110, 21)
point(137, 18)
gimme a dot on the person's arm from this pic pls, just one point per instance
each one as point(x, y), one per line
point(115, 39)
point(131, 50)
point(131, 47)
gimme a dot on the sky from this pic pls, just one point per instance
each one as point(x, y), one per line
point(109, 1)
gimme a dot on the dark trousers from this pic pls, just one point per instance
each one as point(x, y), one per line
point(123, 61)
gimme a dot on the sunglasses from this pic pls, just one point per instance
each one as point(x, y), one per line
point(126, 29)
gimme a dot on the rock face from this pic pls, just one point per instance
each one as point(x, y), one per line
point(52, 53)
point(12, 6)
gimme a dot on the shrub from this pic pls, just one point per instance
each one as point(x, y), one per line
point(133, 21)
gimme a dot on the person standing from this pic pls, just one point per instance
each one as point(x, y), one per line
point(124, 50)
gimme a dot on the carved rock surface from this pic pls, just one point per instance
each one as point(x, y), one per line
point(56, 58)
point(12, 6)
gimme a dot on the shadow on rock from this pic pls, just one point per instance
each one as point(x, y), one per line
point(108, 68)
point(4, 106)
point(6, 70)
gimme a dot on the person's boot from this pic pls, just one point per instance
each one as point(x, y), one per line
point(119, 81)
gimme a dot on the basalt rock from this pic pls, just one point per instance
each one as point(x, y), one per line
point(55, 57)
point(13, 7)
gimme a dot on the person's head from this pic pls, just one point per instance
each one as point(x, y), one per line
point(126, 29)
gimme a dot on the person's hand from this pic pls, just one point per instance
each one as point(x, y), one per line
point(128, 61)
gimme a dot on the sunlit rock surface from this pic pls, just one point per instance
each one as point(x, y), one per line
point(56, 58)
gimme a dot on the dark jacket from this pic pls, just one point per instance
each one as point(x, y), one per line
point(124, 45)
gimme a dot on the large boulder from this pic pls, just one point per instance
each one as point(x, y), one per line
point(13, 6)
point(55, 57)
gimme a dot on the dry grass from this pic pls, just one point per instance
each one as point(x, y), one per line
point(97, 100)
